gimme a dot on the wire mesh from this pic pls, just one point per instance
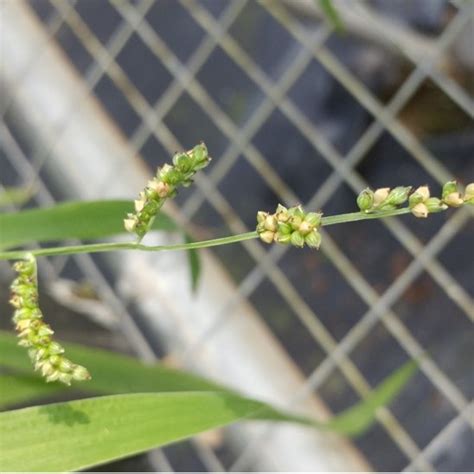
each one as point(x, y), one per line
point(240, 77)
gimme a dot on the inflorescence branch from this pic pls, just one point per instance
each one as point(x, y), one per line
point(294, 226)
point(163, 186)
point(46, 354)
point(377, 204)
point(289, 226)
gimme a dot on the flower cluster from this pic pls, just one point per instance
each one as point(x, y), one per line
point(290, 226)
point(164, 185)
point(420, 201)
point(452, 197)
point(382, 199)
point(34, 334)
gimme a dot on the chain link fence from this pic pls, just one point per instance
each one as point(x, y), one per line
point(295, 112)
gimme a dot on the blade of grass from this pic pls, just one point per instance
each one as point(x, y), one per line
point(16, 389)
point(83, 433)
point(83, 220)
point(16, 196)
point(332, 14)
point(357, 419)
point(113, 373)
point(194, 265)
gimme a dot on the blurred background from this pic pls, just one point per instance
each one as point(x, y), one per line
point(96, 94)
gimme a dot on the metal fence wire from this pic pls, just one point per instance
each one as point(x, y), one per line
point(296, 112)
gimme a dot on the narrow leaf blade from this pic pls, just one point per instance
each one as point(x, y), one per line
point(194, 265)
point(114, 373)
point(357, 419)
point(83, 220)
point(83, 433)
point(16, 389)
point(16, 196)
point(111, 372)
point(332, 14)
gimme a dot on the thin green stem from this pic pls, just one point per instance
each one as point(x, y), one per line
point(362, 216)
point(114, 246)
point(108, 247)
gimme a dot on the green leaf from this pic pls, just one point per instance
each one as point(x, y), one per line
point(194, 264)
point(111, 372)
point(359, 418)
point(16, 195)
point(79, 434)
point(16, 389)
point(83, 433)
point(114, 373)
point(83, 220)
point(332, 14)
